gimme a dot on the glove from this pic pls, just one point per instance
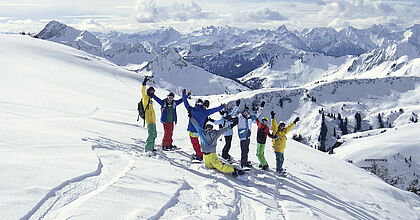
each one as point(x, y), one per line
point(184, 91)
point(189, 93)
point(262, 104)
point(238, 102)
point(296, 120)
point(210, 119)
point(146, 78)
point(272, 114)
point(189, 114)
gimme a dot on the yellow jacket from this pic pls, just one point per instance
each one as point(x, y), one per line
point(279, 144)
point(149, 111)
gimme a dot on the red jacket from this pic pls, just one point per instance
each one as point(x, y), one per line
point(263, 132)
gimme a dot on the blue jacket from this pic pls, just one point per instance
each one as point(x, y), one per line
point(245, 124)
point(164, 110)
point(199, 113)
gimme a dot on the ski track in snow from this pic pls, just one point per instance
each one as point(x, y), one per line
point(216, 194)
point(84, 186)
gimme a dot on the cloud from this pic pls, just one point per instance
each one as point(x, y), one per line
point(89, 24)
point(151, 11)
point(26, 21)
point(363, 13)
point(259, 15)
point(353, 9)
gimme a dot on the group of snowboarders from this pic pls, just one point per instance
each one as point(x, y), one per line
point(204, 136)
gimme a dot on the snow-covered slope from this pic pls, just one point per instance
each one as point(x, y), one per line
point(67, 151)
point(172, 72)
point(392, 154)
point(291, 69)
point(370, 97)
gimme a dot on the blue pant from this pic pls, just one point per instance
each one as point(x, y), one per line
point(279, 161)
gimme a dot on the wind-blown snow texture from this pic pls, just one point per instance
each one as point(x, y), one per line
point(68, 151)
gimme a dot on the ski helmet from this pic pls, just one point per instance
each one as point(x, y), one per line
point(199, 102)
point(150, 91)
point(206, 103)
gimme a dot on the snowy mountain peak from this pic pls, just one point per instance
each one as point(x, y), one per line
point(412, 35)
point(88, 37)
point(219, 30)
point(55, 29)
point(169, 58)
point(282, 28)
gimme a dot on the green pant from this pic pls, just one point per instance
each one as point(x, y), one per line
point(150, 142)
point(260, 154)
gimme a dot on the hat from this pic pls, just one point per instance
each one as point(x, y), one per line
point(282, 123)
point(150, 89)
point(209, 126)
point(206, 103)
point(264, 119)
point(171, 94)
point(199, 102)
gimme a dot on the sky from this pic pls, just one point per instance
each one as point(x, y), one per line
point(188, 15)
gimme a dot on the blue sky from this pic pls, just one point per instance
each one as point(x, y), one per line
point(188, 15)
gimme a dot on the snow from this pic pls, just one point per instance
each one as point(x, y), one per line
point(399, 146)
point(70, 148)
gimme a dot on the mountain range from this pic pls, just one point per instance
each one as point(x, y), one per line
point(324, 76)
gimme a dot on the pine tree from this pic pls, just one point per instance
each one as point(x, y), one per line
point(323, 133)
point(358, 118)
point(381, 123)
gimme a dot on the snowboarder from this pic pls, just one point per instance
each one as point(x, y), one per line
point(150, 116)
point(200, 114)
point(208, 137)
point(262, 133)
point(226, 120)
point(245, 120)
point(168, 119)
point(280, 130)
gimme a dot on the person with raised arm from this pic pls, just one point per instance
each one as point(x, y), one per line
point(279, 144)
point(245, 120)
point(168, 119)
point(150, 117)
point(200, 114)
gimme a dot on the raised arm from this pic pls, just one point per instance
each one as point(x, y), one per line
point(184, 99)
point(290, 127)
point(260, 109)
point(158, 100)
point(179, 101)
point(274, 125)
point(213, 110)
point(234, 111)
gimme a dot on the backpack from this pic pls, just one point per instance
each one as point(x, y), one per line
point(142, 111)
